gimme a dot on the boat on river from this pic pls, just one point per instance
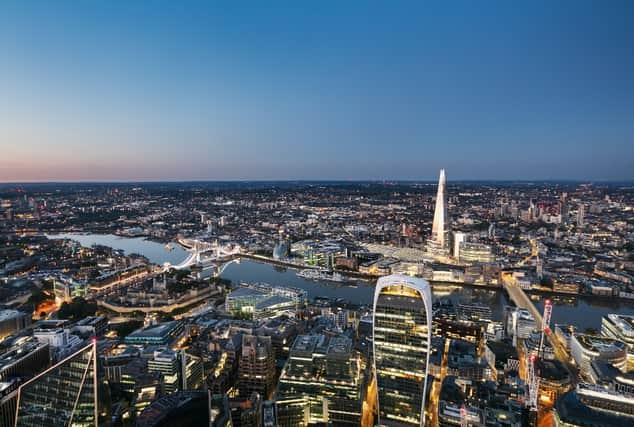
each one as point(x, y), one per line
point(321, 275)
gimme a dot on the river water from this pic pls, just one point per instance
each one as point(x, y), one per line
point(155, 252)
point(579, 311)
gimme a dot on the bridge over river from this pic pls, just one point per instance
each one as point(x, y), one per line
point(203, 252)
point(520, 299)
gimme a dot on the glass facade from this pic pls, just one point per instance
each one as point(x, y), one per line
point(402, 336)
point(320, 383)
point(63, 395)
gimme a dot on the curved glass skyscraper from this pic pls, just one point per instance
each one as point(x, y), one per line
point(402, 338)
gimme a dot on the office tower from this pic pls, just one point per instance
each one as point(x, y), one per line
point(438, 244)
point(166, 363)
point(64, 394)
point(179, 370)
point(458, 238)
point(256, 369)
point(402, 339)
point(192, 371)
point(320, 383)
point(581, 211)
point(20, 359)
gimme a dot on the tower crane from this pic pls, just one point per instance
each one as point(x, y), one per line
point(463, 416)
point(533, 387)
point(533, 378)
point(548, 309)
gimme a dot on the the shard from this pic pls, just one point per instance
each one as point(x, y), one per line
point(438, 244)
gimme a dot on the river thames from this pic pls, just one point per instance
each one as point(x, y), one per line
point(580, 311)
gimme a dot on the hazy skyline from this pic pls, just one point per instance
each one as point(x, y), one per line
point(123, 91)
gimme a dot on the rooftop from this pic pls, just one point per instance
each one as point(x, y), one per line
point(624, 322)
point(9, 314)
point(571, 410)
point(157, 331)
point(598, 343)
point(245, 292)
point(272, 301)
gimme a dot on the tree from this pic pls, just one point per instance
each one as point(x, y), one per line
point(37, 297)
point(125, 329)
point(77, 309)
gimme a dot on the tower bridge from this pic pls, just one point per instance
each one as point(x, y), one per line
point(202, 252)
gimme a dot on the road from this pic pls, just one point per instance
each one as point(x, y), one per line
point(369, 405)
point(434, 393)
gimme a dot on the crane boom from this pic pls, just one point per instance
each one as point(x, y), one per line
point(548, 309)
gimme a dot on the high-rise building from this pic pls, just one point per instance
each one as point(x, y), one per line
point(167, 364)
point(402, 340)
point(64, 394)
point(439, 241)
point(581, 212)
point(20, 360)
point(458, 238)
point(320, 383)
point(256, 367)
point(179, 370)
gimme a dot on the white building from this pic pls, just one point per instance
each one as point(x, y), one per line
point(60, 341)
point(620, 327)
point(519, 322)
point(586, 348)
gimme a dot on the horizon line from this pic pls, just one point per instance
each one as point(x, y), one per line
point(325, 180)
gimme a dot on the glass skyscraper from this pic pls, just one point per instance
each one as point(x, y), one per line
point(438, 244)
point(402, 338)
point(63, 395)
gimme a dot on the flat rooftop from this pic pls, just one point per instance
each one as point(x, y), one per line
point(157, 331)
point(9, 314)
point(624, 322)
point(272, 301)
point(245, 292)
point(598, 343)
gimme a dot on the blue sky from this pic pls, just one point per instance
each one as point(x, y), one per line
point(117, 90)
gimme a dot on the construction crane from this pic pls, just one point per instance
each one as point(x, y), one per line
point(548, 309)
point(533, 378)
point(464, 421)
point(533, 386)
point(534, 253)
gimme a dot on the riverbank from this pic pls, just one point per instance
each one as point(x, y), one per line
point(267, 260)
point(582, 310)
point(370, 278)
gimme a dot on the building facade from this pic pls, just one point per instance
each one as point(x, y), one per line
point(438, 244)
point(256, 368)
point(320, 383)
point(64, 394)
point(402, 340)
point(620, 327)
point(586, 348)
